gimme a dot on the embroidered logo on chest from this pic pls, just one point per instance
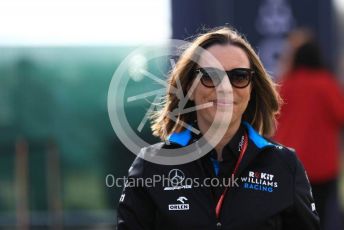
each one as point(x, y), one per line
point(179, 206)
point(259, 181)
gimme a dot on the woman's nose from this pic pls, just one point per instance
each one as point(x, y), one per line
point(225, 85)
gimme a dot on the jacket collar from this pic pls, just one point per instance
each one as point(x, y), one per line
point(255, 137)
point(183, 138)
point(259, 144)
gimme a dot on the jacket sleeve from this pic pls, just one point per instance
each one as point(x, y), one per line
point(135, 210)
point(303, 214)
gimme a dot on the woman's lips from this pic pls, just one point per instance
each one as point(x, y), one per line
point(222, 103)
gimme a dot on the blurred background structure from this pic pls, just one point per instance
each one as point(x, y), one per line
point(57, 58)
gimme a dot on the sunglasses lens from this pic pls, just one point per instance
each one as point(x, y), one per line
point(240, 78)
point(210, 78)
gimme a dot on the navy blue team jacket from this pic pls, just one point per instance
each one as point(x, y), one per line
point(272, 191)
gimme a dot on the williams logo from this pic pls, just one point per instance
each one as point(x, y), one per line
point(180, 206)
point(259, 181)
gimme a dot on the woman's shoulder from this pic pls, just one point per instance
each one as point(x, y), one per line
point(287, 156)
point(147, 153)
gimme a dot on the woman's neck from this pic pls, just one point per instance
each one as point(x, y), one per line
point(229, 134)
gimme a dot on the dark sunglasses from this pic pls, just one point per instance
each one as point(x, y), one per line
point(238, 77)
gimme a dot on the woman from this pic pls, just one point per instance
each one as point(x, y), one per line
point(271, 190)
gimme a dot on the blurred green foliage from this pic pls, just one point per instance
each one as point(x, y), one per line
point(59, 94)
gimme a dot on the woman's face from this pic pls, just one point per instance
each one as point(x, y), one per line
point(230, 57)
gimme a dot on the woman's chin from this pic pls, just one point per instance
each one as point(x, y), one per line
point(222, 118)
